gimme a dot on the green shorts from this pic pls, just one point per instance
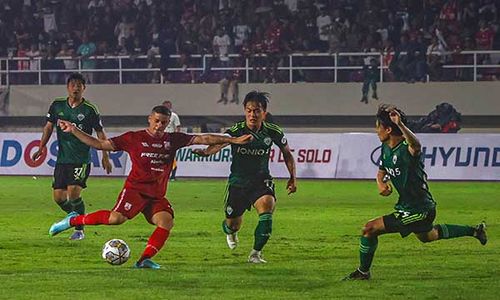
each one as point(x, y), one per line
point(70, 174)
point(238, 198)
point(406, 222)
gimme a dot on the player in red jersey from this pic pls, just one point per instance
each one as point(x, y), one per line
point(152, 152)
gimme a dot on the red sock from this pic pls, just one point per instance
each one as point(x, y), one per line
point(155, 242)
point(96, 218)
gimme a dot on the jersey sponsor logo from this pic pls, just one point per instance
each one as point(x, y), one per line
point(80, 117)
point(144, 144)
point(60, 114)
point(267, 141)
point(156, 145)
point(255, 152)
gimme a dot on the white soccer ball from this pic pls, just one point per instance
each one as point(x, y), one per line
point(115, 252)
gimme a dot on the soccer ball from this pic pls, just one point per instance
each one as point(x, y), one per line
point(115, 252)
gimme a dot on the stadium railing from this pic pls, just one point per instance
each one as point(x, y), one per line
point(334, 67)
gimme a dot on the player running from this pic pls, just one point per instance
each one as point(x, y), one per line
point(250, 183)
point(73, 157)
point(416, 209)
point(152, 152)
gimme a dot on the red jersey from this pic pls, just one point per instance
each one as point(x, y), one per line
point(152, 159)
point(484, 38)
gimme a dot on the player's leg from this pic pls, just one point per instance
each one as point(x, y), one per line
point(265, 208)
point(447, 231)
point(128, 205)
point(77, 176)
point(61, 199)
point(367, 246)
point(59, 185)
point(374, 89)
point(174, 170)
point(235, 204)
point(160, 213)
point(364, 91)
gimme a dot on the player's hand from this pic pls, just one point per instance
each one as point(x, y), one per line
point(200, 152)
point(38, 153)
point(291, 185)
point(395, 116)
point(66, 126)
point(244, 139)
point(385, 189)
point(106, 165)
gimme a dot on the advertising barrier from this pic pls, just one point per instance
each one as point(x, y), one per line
point(338, 155)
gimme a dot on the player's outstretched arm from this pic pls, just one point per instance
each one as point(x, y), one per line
point(414, 145)
point(291, 185)
point(213, 139)
point(47, 132)
point(384, 188)
point(106, 164)
point(85, 138)
point(210, 149)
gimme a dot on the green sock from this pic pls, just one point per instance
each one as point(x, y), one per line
point(226, 228)
point(66, 206)
point(367, 247)
point(263, 231)
point(447, 231)
point(79, 207)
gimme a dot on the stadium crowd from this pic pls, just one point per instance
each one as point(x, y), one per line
point(416, 37)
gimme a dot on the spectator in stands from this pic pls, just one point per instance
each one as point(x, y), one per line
point(85, 51)
point(323, 23)
point(370, 78)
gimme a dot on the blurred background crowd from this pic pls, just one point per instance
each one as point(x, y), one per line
point(415, 38)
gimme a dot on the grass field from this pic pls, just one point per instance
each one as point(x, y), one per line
point(314, 244)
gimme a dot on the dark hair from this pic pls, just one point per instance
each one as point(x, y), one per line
point(77, 77)
point(259, 97)
point(160, 109)
point(384, 119)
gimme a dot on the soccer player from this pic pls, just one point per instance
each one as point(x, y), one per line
point(250, 183)
point(173, 126)
point(152, 152)
point(73, 158)
point(416, 209)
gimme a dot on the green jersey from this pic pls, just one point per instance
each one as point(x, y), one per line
point(408, 177)
point(251, 161)
point(86, 117)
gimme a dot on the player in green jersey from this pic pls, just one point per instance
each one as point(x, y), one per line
point(415, 210)
point(73, 159)
point(250, 183)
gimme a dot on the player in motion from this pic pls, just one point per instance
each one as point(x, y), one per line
point(152, 152)
point(250, 183)
point(73, 158)
point(416, 209)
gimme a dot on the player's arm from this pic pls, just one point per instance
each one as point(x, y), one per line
point(414, 146)
point(210, 149)
point(384, 188)
point(213, 139)
point(291, 185)
point(106, 164)
point(85, 138)
point(47, 132)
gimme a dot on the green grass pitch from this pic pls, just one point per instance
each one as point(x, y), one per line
point(314, 245)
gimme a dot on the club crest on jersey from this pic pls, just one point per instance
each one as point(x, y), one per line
point(229, 210)
point(80, 117)
point(267, 141)
point(394, 159)
point(166, 144)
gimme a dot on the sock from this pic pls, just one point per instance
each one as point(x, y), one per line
point(227, 229)
point(96, 218)
point(155, 243)
point(447, 231)
point(174, 171)
point(367, 247)
point(79, 207)
point(263, 231)
point(66, 206)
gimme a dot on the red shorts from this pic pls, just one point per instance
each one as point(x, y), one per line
point(131, 202)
